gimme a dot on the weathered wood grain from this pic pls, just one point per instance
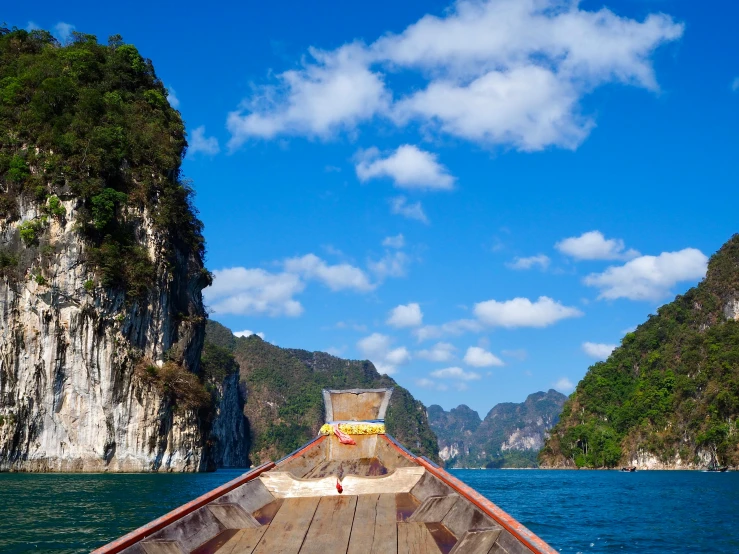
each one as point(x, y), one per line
point(287, 531)
point(244, 542)
point(331, 526)
point(284, 485)
point(476, 542)
point(233, 516)
point(374, 530)
point(465, 516)
point(434, 508)
point(415, 538)
point(162, 547)
point(405, 505)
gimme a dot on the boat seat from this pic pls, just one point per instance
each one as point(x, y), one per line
point(283, 484)
point(161, 547)
point(434, 508)
point(233, 516)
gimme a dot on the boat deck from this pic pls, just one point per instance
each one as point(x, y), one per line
point(355, 524)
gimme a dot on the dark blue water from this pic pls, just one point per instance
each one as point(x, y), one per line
point(574, 511)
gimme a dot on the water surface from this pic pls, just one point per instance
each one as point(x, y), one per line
point(574, 511)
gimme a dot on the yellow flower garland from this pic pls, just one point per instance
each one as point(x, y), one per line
point(358, 428)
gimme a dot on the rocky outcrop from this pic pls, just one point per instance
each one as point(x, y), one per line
point(70, 399)
point(511, 434)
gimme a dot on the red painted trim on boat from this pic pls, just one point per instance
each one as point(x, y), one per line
point(528, 538)
point(153, 526)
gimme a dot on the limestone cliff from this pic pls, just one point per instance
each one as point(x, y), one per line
point(101, 268)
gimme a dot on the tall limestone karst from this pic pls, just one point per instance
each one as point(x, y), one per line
point(511, 434)
point(284, 404)
point(668, 397)
point(101, 266)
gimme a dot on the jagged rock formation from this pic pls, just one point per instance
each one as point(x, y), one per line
point(284, 405)
point(668, 396)
point(101, 268)
point(511, 434)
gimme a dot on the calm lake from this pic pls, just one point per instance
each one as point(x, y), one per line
point(574, 511)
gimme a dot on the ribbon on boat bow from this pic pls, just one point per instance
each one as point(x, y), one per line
point(343, 437)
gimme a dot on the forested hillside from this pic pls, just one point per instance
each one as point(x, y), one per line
point(668, 396)
point(284, 404)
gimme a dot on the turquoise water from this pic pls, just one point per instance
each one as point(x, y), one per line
point(574, 511)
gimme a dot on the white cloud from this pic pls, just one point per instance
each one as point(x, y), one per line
point(599, 351)
point(649, 277)
point(398, 241)
point(200, 143)
point(594, 246)
point(408, 167)
point(734, 83)
point(392, 264)
point(522, 312)
point(455, 373)
point(334, 91)
point(564, 385)
point(454, 328)
point(509, 72)
point(440, 352)
point(32, 27)
point(400, 206)
point(248, 333)
point(63, 31)
point(527, 263)
point(378, 349)
point(336, 277)
point(479, 357)
point(408, 315)
point(425, 383)
point(175, 102)
point(242, 291)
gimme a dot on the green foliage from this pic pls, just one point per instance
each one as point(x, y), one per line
point(671, 388)
point(30, 230)
point(40, 279)
point(89, 285)
point(104, 205)
point(216, 363)
point(93, 120)
point(284, 403)
point(56, 208)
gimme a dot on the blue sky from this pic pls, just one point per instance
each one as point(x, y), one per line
point(480, 197)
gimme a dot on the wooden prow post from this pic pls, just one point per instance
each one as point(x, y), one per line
point(356, 404)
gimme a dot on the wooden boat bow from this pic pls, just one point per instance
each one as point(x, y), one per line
point(390, 502)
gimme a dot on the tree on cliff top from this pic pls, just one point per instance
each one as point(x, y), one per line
point(671, 389)
point(92, 122)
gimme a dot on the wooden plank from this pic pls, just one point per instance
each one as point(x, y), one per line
point(289, 527)
point(356, 406)
point(214, 545)
point(465, 516)
point(251, 496)
point(267, 513)
point(284, 485)
point(161, 547)
point(233, 516)
point(374, 530)
point(434, 508)
point(331, 526)
point(476, 542)
point(243, 542)
point(444, 538)
point(428, 486)
point(405, 505)
point(415, 538)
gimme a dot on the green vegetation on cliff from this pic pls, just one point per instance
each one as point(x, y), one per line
point(91, 122)
point(670, 390)
point(284, 404)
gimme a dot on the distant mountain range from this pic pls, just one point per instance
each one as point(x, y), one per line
point(511, 434)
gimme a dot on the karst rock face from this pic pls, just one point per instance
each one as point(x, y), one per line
point(70, 397)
